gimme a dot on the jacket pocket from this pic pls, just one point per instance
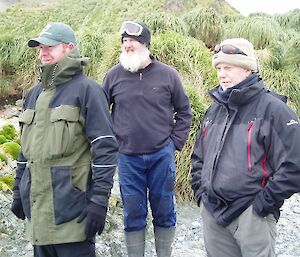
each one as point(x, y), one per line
point(25, 120)
point(63, 130)
point(24, 187)
point(68, 201)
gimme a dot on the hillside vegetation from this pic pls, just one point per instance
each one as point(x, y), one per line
point(184, 32)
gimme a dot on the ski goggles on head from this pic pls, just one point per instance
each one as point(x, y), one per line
point(131, 28)
point(228, 49)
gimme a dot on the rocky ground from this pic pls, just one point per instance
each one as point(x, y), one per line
point(188, 241)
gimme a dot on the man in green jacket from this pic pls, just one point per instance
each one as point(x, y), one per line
point(68, 152)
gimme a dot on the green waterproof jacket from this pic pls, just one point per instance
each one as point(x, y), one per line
point(68, 152)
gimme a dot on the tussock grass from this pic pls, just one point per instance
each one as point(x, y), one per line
point(285, 82)
point(294, 19)
point(291, 54)
point(283, 55)
point(111, 52)
point(205, 24)
point(189, 56)
point(183, 159)
point(161, 22)
point(91, 45)
point(16, 58)
point(260, 30)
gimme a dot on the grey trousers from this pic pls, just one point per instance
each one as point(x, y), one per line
point(247, 236)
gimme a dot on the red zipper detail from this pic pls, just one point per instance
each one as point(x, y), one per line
point(204, 131)
point(265, 174)
point(249, 146)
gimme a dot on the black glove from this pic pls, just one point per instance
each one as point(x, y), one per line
point(17, 209)
point(95, 215)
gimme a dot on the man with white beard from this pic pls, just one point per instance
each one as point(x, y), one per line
point(151, 118)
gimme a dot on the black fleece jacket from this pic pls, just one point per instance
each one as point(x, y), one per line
point(149, 108)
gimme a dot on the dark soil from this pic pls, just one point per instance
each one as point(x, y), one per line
point(9, 99)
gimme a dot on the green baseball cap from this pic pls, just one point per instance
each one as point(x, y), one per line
point(53, 34)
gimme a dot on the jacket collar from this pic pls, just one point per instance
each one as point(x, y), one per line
point(62, 71)
point(242, 93)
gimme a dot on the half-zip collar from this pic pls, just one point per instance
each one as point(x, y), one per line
point(141, 72)
point(145, 70)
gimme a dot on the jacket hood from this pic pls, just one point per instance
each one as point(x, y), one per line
point(62, 71)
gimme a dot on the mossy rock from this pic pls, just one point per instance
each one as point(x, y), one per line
point(6, 183)
point(8, 131)
point(3, 158)
point(2, 139)
point(12, 148)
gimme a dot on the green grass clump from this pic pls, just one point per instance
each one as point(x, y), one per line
point(8, 131)
point(92, 51)
point(285, 82)
point(161, 22)
point(259, 30)
point(3, 157)
point(6, 183)
point(189, 56)
point(11, 148)
point(5, 85)
point(294, 20)
point(2, 139)
point(205, 24)
point(291, 54)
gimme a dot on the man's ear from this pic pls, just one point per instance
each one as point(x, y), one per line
point(71, 46)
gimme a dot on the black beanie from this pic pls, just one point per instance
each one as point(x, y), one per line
point(145, 36)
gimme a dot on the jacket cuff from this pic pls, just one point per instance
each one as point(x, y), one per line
point(16, 194)
point(100, 200)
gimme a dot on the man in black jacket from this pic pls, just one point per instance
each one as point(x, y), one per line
point(246, 158)
point(151, 118)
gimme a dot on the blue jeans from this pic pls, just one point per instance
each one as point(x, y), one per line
point(156, 172)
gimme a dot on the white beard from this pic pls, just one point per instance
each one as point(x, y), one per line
point(134, 61)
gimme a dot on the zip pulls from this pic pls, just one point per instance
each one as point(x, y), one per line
point(249, 145)
point(141, 76)
point(265, 174)
point(204, 130)
point(263, 164)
